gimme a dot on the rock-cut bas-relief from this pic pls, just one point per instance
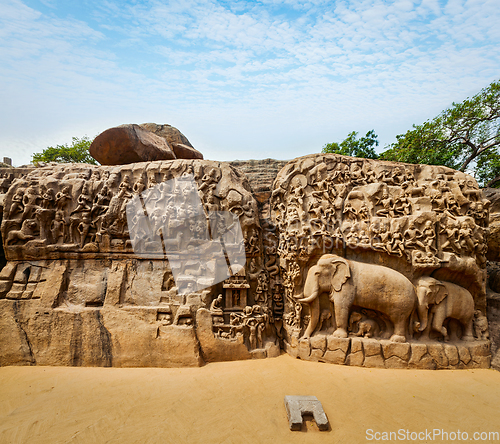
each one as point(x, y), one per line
point(176, 263)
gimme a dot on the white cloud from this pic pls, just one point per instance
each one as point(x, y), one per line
point(303, 74)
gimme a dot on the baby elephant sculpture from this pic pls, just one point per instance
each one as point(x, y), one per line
point(440, 300)
point(365, 326)
point(368, 286)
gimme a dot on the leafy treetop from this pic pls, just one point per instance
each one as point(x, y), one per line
point(77, 152)
point(352, 146)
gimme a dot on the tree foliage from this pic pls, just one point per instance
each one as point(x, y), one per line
point(465, 137)
point(352, 146)
point(76, 152)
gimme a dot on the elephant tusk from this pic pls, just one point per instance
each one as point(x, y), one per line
point(309, 299)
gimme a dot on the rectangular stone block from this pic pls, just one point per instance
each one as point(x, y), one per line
point(304, 349)
point(319, 342)
point(436, 351)
point(374, 361)
point(395, 362)
point(355, 359)
point(464, 354)
point(400, 350)
point(338, 343)
point(316, 354)
point(451, 353)
point(371, 347)
point(334, 357)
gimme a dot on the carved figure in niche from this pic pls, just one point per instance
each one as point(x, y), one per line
point(84, 227)
point(452, 208)
point(480, 247)
point(139, 186)
point(438, 300)
point(481, 325)
point(253, 242)
point(363, 212)
point(48, 199)
point(252, 325)
point(396, 244)
point(216, 310)
point(387, 204)
point(465, 237)
point(84, 200)
point(402, 205)
point(412, 237)
point(480, 214)
point(361, 325)
point(351, 283)
point(429, 237)
point(364, 239)
point(101, 204)
point(27, 232)
point(386, 177)
point(450, 231)
point(57, 228)
point(30, 202)
point(17, 206)
point(125, 188)
point(236, 325)
point(63, 197)
point(151, 179)
point(262, 288)
point(350, 213)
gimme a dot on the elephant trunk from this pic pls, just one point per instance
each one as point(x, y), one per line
point(423, 314)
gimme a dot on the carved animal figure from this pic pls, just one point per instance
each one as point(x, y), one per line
point(369, 286)
point(25, 233)
point(365, 327)
point(440, 300)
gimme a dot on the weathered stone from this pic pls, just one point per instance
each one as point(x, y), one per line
point(400, 350)
point(316, 354)
point(298, 406)
point(436, 351)
point(395, 362)
point(451, 353)
point(356, 345)
point(464, 354)
point(319, 342)
point(339, 343)
point(371, 347)
point(334, 357)
point(355, 358)
point(304, 348)
point(374, 361)
point(126, 144)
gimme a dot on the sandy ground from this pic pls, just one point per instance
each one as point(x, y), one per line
point(240, 402)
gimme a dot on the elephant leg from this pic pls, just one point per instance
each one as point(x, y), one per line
point(399, 330)
point(437, 323)
point(341, 317)
point(313, 322)
point(468, 336)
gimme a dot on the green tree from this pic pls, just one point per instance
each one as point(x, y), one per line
point(77, 152)
point(352, 146)
point(465, 137)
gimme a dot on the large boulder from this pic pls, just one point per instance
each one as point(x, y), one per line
point(132, 143)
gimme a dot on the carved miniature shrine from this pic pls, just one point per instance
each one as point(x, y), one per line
point(176, 263)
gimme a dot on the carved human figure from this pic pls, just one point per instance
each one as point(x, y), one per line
point(216, 306)
point(57, 228)
point(30, 202)
point(63, 197)
point(465, 237)
point(84, 227)
point(17, 206)
point(481, 325)
point(450, 231)
point(387, 204)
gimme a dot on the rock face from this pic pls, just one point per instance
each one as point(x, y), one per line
point(381, 251)
point(127, 144)
point(180, 262)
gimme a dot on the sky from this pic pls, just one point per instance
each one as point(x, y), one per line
point(240, 79)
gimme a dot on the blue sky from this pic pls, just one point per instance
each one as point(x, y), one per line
point(241, 79)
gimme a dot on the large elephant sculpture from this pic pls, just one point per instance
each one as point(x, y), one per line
point(368, 286)
point(440, 300)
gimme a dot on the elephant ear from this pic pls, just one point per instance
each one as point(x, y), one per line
point(439, 292)
point(341, 273)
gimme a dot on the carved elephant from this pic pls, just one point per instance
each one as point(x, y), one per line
point(442, 300)
point(368, 286)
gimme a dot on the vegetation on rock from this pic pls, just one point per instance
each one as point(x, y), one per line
point(76, 152)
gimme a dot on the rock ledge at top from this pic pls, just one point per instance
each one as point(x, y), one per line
point(132, 143)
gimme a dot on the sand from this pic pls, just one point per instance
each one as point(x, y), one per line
point(240, 402)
